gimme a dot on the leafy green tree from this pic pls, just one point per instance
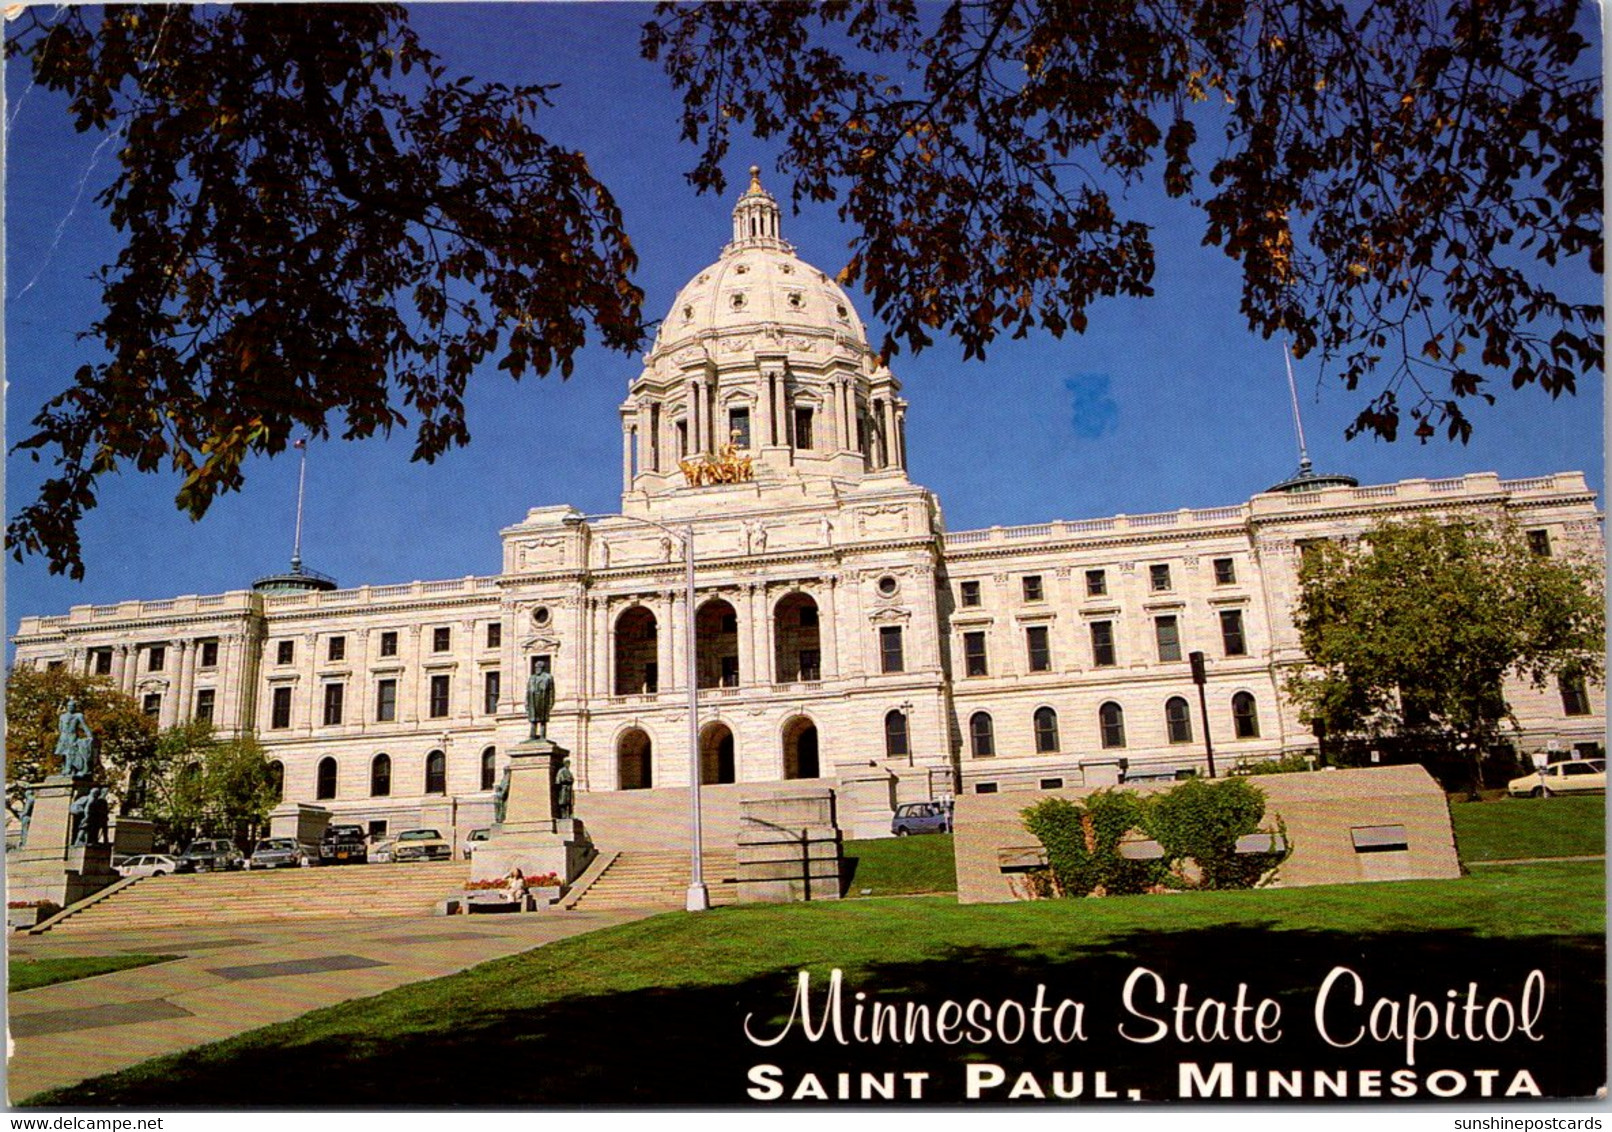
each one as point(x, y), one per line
point(322, 229)
point(125, 737)
point(206, 785)
point(1395, 178)
point(1418, 625)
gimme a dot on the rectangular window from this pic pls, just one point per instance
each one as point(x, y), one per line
point(1159, 577)
point(204, 704)
point(651, 678)
point(803, 429)
point(152, 704)
point(985, 788)
point(1169, 638)
point(1052, 784)
point(1096, 583)
point(285, 652)
point(1231, 632)
point(1539, 543)
point(1102, 643)
point(1032, 587)
point(682, 438)
point(209, 654)
point(891, 655)
point(338, 648)
point(439, 697)
point(489, 692)
point(654, 436)
point(811, 664)
point(377, 830)
point(969, 594)
point(495, 634)
point(730, 672)
point(441, 639)
point(102, 662)
point(280, 709)
point(389, 643)
point(1575, 697)
point(335, 696)
point(739, 427)
point(156, 658)
point(385, 701)
point(1225, 572)
point(1040, 651)
point(974, 654)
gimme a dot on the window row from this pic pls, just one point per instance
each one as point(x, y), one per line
point(438, 704)
point(156, 657)
point(1110, 726)
point(1160, 580)
point(285, 651)
point(435, 779)
point(1104, 653)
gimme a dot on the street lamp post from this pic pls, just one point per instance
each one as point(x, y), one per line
point(699, 896)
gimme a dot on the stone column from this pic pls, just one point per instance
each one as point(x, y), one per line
point(889, 446)
point(309, 664)
point(646, 441)
point(185, 708)
point(598, 636)
point(693, 415)
point(131, 668)
point(408, 684)
point(626, 455)
point(173, 699)
point(901, 438)
point(746, 610)
point(612, 682)
point(665, 636)
point(828, 630)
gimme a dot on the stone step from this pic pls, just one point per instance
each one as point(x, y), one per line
point(659, 879)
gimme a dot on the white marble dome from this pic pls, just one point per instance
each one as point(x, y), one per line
point(758, 282)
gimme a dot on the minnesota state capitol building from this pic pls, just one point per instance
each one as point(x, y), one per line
point(841, 630)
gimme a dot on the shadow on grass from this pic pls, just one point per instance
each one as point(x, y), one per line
point(685, 1045)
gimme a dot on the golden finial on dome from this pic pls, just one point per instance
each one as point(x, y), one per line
point(755, 178)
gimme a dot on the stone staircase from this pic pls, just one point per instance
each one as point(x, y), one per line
point(345, 891)
point(644, 878)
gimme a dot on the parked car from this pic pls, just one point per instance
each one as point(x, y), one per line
point(921, 817)
point(214, 855)
point(380, 853)
point(1579, 776)
point(344, 844)
point(473, 838)
point(278, 853)
point(153, 865)
point(421, 845)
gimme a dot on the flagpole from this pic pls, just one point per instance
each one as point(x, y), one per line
point(302, 479)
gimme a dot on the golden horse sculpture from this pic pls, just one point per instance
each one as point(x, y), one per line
point(728, 467)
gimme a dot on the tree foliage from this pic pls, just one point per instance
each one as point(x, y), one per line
point(125, 737)
point(207, 785)
point(1394, 178)
point(322, 230)
point(1418, 625)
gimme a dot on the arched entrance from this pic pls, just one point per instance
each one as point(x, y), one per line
point(716, 627)
point(800, 749)
point(716, 754)
point(637, 641)
point(799, 652)
point(634, 760)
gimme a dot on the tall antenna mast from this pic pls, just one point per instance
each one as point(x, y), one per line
point(302, 480)
point(1298, 422)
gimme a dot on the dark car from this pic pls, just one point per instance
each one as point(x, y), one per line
point(344, 845)
point(214, 855)
point(921, 817)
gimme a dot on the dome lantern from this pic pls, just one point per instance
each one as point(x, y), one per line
point(756, 218)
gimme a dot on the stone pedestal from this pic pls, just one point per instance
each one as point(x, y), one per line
point(300, 820)
point(47, 867)
point(1102, 771)
point(867, 799)
point(531, 838)
point(789, 847)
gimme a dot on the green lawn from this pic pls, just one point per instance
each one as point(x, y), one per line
point(1517, 828)
point(26, 974)
point(892, 866)
point(653, 1012)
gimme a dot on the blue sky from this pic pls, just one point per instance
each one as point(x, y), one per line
point(1165, 402)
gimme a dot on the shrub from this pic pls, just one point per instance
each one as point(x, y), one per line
point(1082, 843)
point(1287, 764)
point(1201, 821)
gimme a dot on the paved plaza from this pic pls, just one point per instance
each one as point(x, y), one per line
point(238, 977)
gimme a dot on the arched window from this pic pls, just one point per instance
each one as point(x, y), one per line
point(1046, 731)
point(1178, 720)
point(1245, 716)
point(489, 768)
point(380, 776)
point(1112, 719)
point(896, 745)
point(277, 779)
point(436, 773)
point(982, 738)
point(325, 781)
point(634, 761)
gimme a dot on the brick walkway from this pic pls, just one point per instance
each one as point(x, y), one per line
point(238, 977)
